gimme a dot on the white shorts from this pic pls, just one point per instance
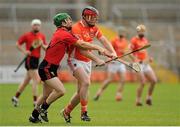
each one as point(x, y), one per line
point(115, 67)
point(145, 67)
point(74, 64)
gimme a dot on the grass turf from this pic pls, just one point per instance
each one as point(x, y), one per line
point(106, 111)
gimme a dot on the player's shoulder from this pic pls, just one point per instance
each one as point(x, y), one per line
point(27, 33)
point(77, 25)
point(64, 33)
point(114, 39)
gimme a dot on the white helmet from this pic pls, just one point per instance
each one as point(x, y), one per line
point(35, 21)
point(141, 28)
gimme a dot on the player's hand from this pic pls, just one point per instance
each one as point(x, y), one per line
point(112, 55)
point(27, 52)
point(101, 51)
point(100, 62)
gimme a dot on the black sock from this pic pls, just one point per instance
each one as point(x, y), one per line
point(45, 106)
point(35, 113)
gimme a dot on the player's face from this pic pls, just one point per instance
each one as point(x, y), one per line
point(91, 19)
point(36, 28)
point(140, 34)
point(122, 35)
point(68, 23)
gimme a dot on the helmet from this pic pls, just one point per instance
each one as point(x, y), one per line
point(89, 10)
point(121, 30)
point(59, 18)
point(141, 28)
point(35, 21)
point(90, 15)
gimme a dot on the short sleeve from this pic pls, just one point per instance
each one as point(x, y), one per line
point(70, 39)
point(22, 39)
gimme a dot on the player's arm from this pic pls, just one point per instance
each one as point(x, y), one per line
point(87, 46)
point(21, 49)
point(44, 45)
point(91, 56)
point(107, 45)
point(19, 43)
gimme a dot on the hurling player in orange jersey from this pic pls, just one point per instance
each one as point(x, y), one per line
point(142, 57)
point(120, 45)
point(79, 61)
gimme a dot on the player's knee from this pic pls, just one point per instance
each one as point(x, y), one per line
point(142, 84)
point(78, 91)
point(61, 92)
point(86, 82)
point(122, 81)
point(153, 82)
point(108, 80)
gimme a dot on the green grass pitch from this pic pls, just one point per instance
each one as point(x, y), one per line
point(106, 111)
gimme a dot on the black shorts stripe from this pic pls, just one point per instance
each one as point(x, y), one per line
point(47, 70)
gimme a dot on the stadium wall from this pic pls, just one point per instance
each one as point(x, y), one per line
point(7, 75)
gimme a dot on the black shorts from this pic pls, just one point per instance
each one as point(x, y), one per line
point(31, 63)
point(47, 70)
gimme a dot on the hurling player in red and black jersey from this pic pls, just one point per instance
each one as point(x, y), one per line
point(53, 88)
point(29, 39)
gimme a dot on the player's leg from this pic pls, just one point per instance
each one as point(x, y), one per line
point(46, 92)
point(140, 87)
point(120, 88)
point(20, 89)
point(84, 82)
point(58, 91)
point(104, 85)
point(81, 71)
point(36, 79)
point(35, 113)
point(75, 100)
point(150, 75)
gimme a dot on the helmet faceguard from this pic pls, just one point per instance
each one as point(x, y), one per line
point(90, 15)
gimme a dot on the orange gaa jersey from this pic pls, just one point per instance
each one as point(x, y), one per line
point(137, 43)
point(119, 45)
point(86, 34)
